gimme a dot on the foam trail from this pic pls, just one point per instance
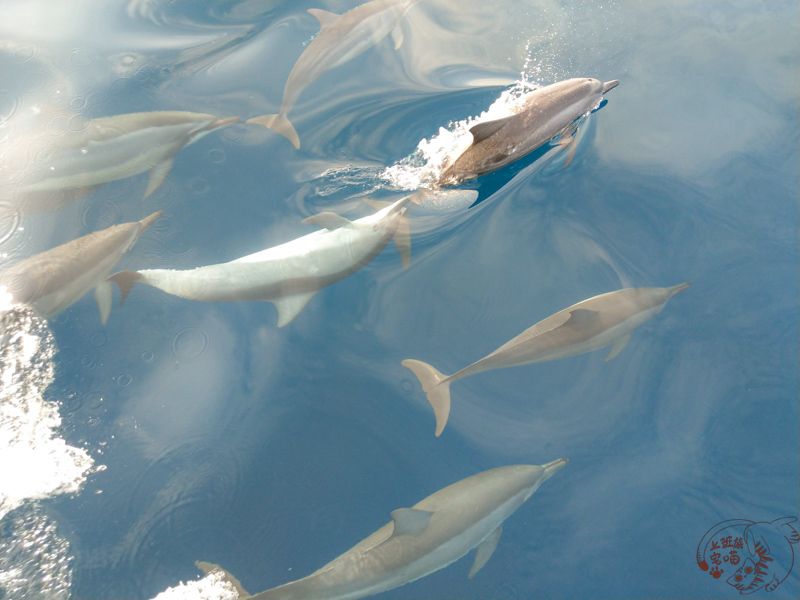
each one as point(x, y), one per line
point(213, 586)
point(432, 156)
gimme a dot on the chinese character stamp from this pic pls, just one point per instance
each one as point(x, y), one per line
point(763, 549)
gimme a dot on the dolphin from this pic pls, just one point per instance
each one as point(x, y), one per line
point(44, 169)
point(544, 113)
point(51, 281)
point(290, 274)
point(340, 39)
point(420, 540)
point(599, 321)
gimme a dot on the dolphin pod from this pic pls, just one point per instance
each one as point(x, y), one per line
point(290, 274)
point(340, 39)
point(608, 319)
point(43, 170)
point(53, 280)
point(546, 112)
point(420, 540)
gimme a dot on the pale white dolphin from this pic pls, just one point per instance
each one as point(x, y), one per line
point(51, 281)
point(47, 167)
point(340, 39)
point(290, 274)
point(599, 321)
point(543, 114)
point(420, 540)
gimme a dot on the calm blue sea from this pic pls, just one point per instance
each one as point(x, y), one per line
point(271, 451)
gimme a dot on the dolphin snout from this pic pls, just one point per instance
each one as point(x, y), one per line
point(551, 467)
point(610, 85)
point(677, 289)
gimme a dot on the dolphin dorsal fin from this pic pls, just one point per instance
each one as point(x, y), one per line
point(323, 16)
point(481, 131)
point(410, 521)
point(328, 220)
point(581, 316)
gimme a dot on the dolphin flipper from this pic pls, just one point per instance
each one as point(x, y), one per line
point(436, 387)
point(290, 306)
point(102, 295)
point(157, 175)
point(617, 347)
point(485, 550)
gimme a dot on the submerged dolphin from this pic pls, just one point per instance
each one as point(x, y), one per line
point(42, 170)
point(340, 39)
point(434, 533)
point(545, 113)
point(606, 319)
point(290, 274)
point(53, 280)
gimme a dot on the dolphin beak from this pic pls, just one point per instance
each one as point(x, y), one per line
point(551, 467)
point(610, 85)
point(677, 289)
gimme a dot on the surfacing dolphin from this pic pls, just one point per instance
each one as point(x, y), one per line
point(420, 540)
point(340, 39)
point(544, 113)
point(51, 281)
point(48, 167)
point(290, 274)
point(594, 323)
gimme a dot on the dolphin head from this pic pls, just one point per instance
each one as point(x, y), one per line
point(532, 476)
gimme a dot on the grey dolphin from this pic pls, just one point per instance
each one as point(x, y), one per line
point(44, 169)
point(545, 113)
point(599, 321)
point(340, 39)
point(420, 540)
point(53, 280)
point(290, 274)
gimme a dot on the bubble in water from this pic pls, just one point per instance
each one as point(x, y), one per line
point(82, 58)
point(124, 380)
point(99, 339)
point(216, 156)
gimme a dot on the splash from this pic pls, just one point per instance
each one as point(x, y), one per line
point(213, 586)
point(35, 463)
point(423, 168)
point(34, 560)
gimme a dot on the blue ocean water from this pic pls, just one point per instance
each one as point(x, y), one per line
point(271, 451)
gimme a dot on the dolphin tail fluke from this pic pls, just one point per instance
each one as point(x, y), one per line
point(125, 281)
point(209, 568)
point(437, 388)
point(279, 124)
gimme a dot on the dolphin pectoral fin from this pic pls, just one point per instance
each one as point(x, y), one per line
point(102, 295)
point(290, 306)
point(617, 347)
point(323, 16)
point(328, 220)
point(410, 521)
point(157, 176)
point(279, 124)
point(481, 131)
point(485, 550)
point(435, 387)
point(208, 568)
point(397, 37)
point(402, 241)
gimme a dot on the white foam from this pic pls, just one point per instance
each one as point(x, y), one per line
point(211, 587)
point(422, 169)
point(35, 463)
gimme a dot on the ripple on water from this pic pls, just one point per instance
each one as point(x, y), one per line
point(190, 343)
point(100, 214)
